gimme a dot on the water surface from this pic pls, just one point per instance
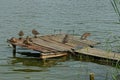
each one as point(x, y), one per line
point(94, 16)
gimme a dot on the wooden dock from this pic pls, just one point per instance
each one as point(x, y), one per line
point(51, 46)
point(99, 53)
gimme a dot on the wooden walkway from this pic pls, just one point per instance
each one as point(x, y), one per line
point(51, 46)
point(53, 42)
point(99, 53)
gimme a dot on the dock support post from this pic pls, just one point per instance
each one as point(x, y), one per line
point(91, 76)
point(14, 50)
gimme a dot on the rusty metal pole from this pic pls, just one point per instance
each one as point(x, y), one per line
point(91, 76)
point(14, 50)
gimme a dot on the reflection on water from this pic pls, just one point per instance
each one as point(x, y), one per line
point(57, 68)
point(28, 70)
point(37, 62)
point(44, 64)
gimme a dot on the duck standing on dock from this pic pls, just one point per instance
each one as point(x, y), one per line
point(65, 39)
point(21, 34)
point(27, 41)
point(35, 33)
point(85, 35)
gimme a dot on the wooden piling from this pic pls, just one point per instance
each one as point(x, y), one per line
point(14, 50)
point(91, 76)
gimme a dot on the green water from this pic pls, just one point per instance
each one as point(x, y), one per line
point(95, 16)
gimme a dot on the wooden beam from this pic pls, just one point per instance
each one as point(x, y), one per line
point(14, 50)
point(91, 76)
point(52, 55)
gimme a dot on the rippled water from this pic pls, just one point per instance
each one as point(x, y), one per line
point(95, 16)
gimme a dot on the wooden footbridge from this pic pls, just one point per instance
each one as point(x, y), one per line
point(57, 45)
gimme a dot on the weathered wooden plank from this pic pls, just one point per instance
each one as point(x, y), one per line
point(52, 44)
point(99, 53)
point(19, 42)
point(72, 41)
point(41, 42)
point(53, 55)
